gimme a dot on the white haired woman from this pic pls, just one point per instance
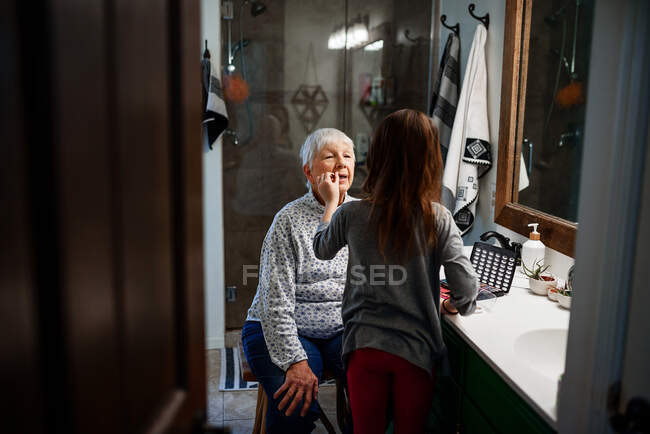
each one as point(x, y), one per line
point(293, 329)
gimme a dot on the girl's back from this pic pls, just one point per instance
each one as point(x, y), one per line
point(393, 306)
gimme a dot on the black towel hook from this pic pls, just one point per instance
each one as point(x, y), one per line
point(206, 53)
point(455, 29)
point(484, 19)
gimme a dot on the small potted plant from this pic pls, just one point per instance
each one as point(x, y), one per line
point(564, 295)
point(538, 279)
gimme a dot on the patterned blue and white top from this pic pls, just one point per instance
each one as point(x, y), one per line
point(297, 293)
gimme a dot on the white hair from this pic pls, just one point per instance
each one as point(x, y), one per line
point(319, 138)
point(315, 142)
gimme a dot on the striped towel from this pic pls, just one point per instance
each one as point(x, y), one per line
point(445, 92)
point(470, 153)
point(231, 376)
point(215, 117)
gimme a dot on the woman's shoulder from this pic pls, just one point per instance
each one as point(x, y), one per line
point(290, 207)
point(296, 211)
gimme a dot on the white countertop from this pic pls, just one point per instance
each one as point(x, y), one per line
point(530, 365)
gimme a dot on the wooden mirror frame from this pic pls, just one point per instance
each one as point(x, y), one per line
point(557, 233)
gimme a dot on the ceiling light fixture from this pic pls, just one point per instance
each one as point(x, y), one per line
point(357, 35)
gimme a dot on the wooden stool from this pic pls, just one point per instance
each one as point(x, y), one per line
point(343, 413)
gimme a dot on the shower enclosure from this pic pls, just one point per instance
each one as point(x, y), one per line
point(558, 66)
point(307, 64)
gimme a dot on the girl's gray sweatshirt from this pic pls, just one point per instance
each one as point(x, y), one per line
point(393, 307)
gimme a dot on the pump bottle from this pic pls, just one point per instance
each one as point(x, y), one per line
point(533, 250)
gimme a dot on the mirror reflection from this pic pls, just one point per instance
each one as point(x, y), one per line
point(558, 72)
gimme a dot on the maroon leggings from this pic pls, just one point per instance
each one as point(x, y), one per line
point(373, 375)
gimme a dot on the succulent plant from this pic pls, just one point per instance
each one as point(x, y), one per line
point(536, 271)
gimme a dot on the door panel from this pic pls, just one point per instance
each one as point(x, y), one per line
point(19, 354)
point(103, 177)
point(82, 212)
point(142, 149)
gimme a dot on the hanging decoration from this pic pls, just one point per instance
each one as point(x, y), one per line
point(310, 101)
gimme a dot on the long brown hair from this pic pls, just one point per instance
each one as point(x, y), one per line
point(404, 178)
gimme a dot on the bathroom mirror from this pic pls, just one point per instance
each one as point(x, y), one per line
point(544, 81)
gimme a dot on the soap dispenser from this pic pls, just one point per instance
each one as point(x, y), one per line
point(533, 250)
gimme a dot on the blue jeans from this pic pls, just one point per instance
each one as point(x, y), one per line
point(320, 353)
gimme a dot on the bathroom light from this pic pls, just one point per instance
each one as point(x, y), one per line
point(374, 46)
point(336, 40)
point(357, 35)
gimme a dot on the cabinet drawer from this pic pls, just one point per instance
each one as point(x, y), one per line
point(501, 406)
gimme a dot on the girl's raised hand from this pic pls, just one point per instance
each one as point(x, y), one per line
point(328, 187)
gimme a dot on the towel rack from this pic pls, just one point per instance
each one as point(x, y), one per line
point(485, 19)
point(455, 29)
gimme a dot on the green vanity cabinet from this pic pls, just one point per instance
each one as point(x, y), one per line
point(475, 399)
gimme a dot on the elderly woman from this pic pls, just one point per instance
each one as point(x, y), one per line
point(294, 328)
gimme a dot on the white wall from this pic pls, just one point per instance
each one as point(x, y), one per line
point(215, 318)
point(456, 11)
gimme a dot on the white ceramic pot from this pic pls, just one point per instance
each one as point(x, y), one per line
point(564, 300)
point(551, 292)
point(539, 286)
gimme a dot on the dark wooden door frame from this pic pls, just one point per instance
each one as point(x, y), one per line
point(65, 101)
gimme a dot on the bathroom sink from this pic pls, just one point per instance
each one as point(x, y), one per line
point(543, 350)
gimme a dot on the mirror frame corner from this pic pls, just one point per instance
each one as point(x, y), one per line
point(558, 234)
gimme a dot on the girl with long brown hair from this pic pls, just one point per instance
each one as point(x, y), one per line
point(398, 237)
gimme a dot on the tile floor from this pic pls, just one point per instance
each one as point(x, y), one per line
point(236, 410)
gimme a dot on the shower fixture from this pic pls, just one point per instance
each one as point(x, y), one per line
point(232, 133)
point(563, 63)
point(228, 15)
point(552, 19)
point(563, 60)
point(238, 46)
point(257, 8)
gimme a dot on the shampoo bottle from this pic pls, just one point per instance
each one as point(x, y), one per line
point(533, 250)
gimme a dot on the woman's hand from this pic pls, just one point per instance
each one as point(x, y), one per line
point(299, 383)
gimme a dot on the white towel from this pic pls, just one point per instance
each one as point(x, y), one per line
point(470, 154)
point(523, 174)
